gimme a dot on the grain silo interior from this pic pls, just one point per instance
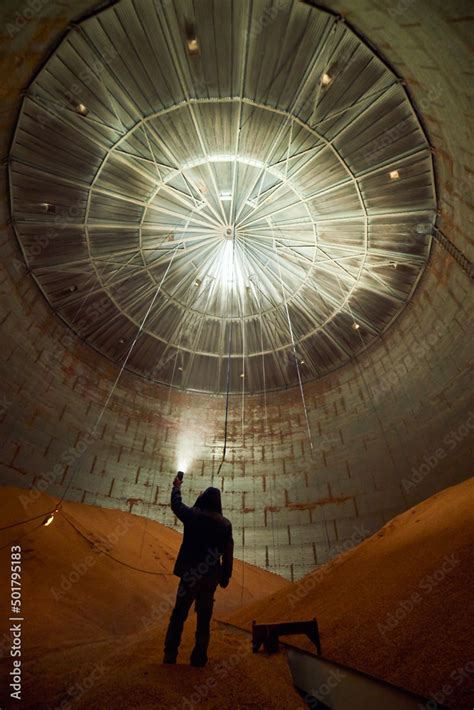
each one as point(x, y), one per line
point(237, 243)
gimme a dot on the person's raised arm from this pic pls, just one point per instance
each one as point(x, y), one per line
point(182, 511)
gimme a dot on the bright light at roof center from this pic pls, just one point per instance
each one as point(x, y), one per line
point(224, 270)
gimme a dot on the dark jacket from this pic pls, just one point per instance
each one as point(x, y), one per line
point(207, 547)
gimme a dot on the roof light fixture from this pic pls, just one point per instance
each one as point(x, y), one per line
point(193, 46)
point(326, 79)
point(192, 41)
point(48, 207)
point(394, 175)
point(81, 109)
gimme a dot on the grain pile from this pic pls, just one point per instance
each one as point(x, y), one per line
point(399, 606)
point(93, 631)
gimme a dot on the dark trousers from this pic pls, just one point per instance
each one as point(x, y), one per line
point(201, 591)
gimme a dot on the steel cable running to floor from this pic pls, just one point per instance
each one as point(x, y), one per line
point(227, 391)
point(57, 507)
point(181, 327)
point(230, 327)
point(272, 484)
point(155, 468)
point(122, 368)
point(242, 421)
point(107, 554)
point(300, 382)
point(76, 316)
point(275, 306)
point(180, 338)
point(44, 515)
point(353, 357)
point(24, 534)
point(228, 374)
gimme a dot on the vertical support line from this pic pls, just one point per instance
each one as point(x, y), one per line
point(293, 344)
point(155, 467)
point(117, 379)
point(358, 367)
point(226, 418)
point(295, 354)
point(256, 289)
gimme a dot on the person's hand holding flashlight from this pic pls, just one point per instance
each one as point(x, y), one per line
point(178, 480)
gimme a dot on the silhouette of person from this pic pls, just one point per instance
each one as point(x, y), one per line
point(204, 561)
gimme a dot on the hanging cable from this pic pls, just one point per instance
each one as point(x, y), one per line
point(358, 367)
point(151, 491)
point(117, 379)
point(272, 483)
point(23, 534)
point(180, 336)
point(242, 375)
point(300, 382)
point(229, 352)
point(29, 520)
point(226, 415)
point(115, 559)
point(293, 344)
point(48, 516)
point(36, 377)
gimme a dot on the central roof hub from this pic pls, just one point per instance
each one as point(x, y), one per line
point(270, 208)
